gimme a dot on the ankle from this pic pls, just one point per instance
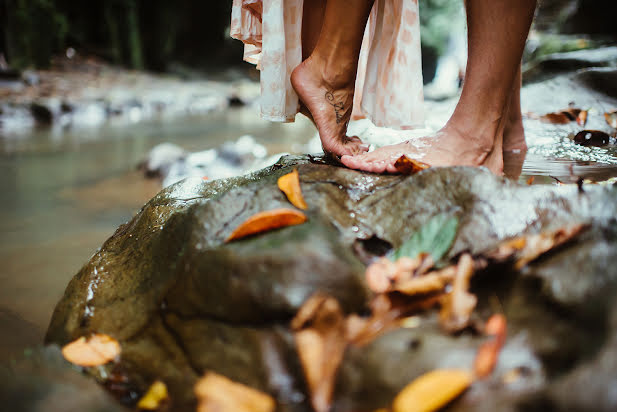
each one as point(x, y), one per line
point(481, 132)
point(334, 74)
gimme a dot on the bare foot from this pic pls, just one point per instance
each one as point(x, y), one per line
point(329, 106)
point(448, 147)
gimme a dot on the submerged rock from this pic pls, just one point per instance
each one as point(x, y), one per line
point(182, 301)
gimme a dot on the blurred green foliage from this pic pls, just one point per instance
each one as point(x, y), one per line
point(437, 18)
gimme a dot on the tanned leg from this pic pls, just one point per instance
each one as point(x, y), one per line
point(474, 134)
point(325, 80)
point(513, 132)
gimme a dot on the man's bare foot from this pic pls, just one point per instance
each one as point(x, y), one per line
point(448, 147)
point(329, 106)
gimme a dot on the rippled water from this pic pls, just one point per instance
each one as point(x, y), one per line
point(65, 191)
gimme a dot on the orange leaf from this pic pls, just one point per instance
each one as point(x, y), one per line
point(488, 353)
point(217, 393)
point(154, 398)
point(581, 119)
point(611, 118)
point(432, 391)
point(265, 221)
point(530, 180)
point(95, 350)
point(458, 305)
point(290, 185)
point(319, 332)
point(408, 166)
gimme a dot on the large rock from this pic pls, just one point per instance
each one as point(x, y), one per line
point(181, 301)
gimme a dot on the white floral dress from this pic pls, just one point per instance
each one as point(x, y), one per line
point(389, 79)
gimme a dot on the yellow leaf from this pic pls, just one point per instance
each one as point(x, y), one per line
point(290, 185)
point(432, 390)
point(98, 349)
point(152, 400)
point(265, 221)
point(217, 393)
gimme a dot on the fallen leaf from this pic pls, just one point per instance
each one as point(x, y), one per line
point(530, 180)
point(432, 282)
point(432, 391)
point(319, 333)
point(97, 349)
point(592, 138)
point(611, 118)
point(581, 119)
point(537, 245)
point(434, 237)
point(565, 116)
point(408, 166)
point(290, 185)
point(458, 305)
point(155, 396)
point(216, 393)
point(383, 273)
point(265, 221)
point(488, 353)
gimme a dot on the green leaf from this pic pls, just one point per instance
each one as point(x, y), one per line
point(435, 237)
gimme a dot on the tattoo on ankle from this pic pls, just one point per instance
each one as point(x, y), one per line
point(339, 107)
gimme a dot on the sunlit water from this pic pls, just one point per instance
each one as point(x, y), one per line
point(65, 191)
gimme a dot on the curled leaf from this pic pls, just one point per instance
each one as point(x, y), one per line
point(217, 393)
point(290, 185)
point(458, 305)
point(319, 331)
point(432, 391)
point(432, 282)
point(611, 118)
point(581, 119)
point(156, 395)
point(488, 353)
point(592, 138)
point(408, 166)
point(265, 221)
point(537, 245)
point(97, 349)
point(565, 116)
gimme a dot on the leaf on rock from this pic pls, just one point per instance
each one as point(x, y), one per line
point(319, 332)
point(97, 349)
point(611, 118)
point(409, 166)
point(537, 245)
point(592, 138)
point(290, 185)
point(581, 119)
point(458, 305)
point(565, 116)
point(432, 391)
point(217, 393)
point(488, 353)
point(434, 237)
point(382, 274)
point(153, 399)
point(265, 221)
point(432, 282)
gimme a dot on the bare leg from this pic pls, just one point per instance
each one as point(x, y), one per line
point(513, 132)
point(325, 80)
point(474, 134)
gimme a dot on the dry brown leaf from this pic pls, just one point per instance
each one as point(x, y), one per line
point(432, 282)
point(530, 180)
point(97, 349)
point(265, 221)
point(432, 391)
point(564, 116)
point(155, 396)
point(537, 245)
point(488, 353)
point(290, 185)
point(216, 393)
point(611, 118)
point(383, 275)
point(581, 119)
point(319, 332)
point(458, 305)
point(408, 166)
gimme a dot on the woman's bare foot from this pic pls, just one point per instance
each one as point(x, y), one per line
point(448, 147)
point(329, 106)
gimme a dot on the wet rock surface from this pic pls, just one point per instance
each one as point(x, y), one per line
point(181, 301)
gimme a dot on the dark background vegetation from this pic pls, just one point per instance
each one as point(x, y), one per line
point(155, 34)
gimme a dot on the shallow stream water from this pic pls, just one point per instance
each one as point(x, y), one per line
point(65, 191)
